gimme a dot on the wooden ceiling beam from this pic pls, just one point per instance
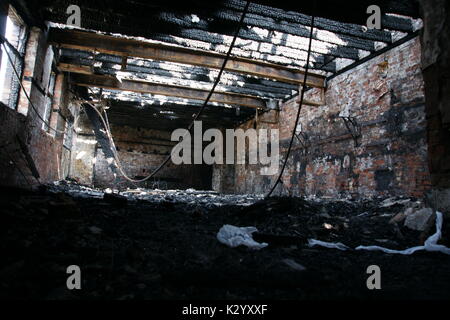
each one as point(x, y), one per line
point(108, 82)
point(81, 40)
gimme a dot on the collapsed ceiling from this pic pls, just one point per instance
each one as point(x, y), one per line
point(156, 62)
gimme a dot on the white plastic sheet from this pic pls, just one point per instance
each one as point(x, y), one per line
point(236, 236)
point(429, 245)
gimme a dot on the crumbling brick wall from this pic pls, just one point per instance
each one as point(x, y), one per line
point(44, 147)
point(140, 152)
point(386, 97)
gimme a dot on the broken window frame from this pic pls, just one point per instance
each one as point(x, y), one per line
point(16, 46)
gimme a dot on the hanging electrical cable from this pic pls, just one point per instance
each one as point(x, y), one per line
point(111, 141)
point(25, 92)
point(298, 112)
point(216, 82)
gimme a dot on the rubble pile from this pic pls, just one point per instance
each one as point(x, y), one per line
point(209, 199)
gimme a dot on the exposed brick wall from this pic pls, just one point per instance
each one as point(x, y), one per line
point(11, 158)
point(386, 96)
point(45, 148)
point(140, 151)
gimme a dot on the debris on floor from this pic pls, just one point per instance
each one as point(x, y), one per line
point(163, 245)
point(430, 244)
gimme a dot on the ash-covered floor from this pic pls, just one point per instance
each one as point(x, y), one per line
point(153, 244)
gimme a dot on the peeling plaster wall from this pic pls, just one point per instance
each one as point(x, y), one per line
point(386, 96)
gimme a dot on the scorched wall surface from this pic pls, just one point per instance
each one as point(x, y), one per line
point(386, 98)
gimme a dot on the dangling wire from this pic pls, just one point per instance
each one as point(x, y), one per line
point(216, 82)
point(298, 112)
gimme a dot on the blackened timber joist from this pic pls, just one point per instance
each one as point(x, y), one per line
point(349, 12)
point(75, 39)
point(292, 46)
point(113, 83)
point(172, 70)
point(187, 79)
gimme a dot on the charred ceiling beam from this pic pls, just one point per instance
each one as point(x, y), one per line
point(353, 12)
point(214, 17)
point(296, 29)
point(112, 83)
point(171, 78)
point(329, 63)
point(273, 48)
point(302, 16)
point(403, 24)
point(145, 99)
point(243, 89)
point(174, 70)
point(288, 41)
point(75, 39)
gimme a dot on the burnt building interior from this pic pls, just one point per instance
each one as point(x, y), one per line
point(91, 93)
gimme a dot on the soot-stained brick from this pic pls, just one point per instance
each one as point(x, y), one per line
point(388, 107)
